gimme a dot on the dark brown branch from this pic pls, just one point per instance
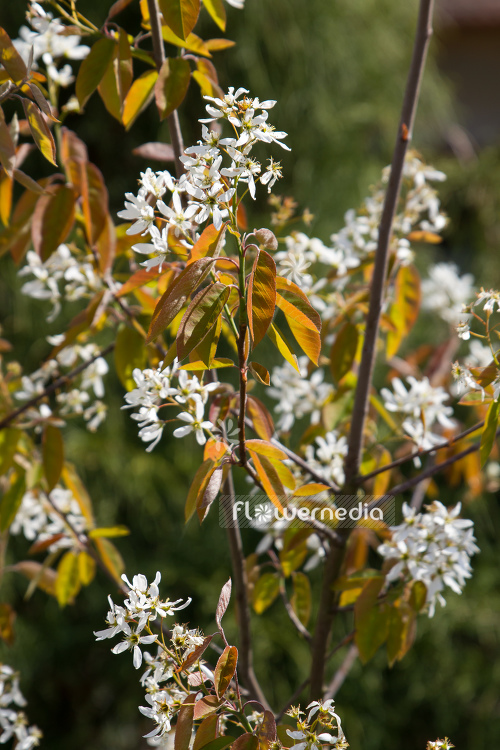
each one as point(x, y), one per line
point(159, 58)
point(245, 659)
point(423, 35)
point(419, 454)
point(242, 364)
point(54, 386)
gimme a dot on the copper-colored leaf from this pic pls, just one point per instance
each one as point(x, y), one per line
point(40, 131)
point(201, 315)
point(261, 297)
point(172, 85)
point(404, 311)
point(155, 151)
point(180, 15)
point(52, 454)
point(184, 724)
point(11, 59)
point(52, 220)
point(209, 243)
point(222, 604)
point(225, 669)
point(269, 479)
point(343, 351)
point(261, 419)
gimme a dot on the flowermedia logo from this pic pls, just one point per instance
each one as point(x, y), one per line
point(348, 511)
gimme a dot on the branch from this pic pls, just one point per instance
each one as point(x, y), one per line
point(291, 613)
point(419, 454)
point(423, 34)
point(159, 58)
point(326, 614)
point(342, 672)
point(242, 605)
point(54, 386)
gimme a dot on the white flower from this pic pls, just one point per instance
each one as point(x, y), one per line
point(194, 423)
point(490, 300)
point(138, 210)
point(178, 217)
point(463, 330)
point(132, 641)
point(297, 395)
point(445, 291)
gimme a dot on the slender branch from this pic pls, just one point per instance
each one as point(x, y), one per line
point(419, 454)
point(305, 466)
point(54, 386)
point(159, 58)
point(423, 34)
point(325, 617)
point(242, 355)
point(245, 661)
point(342, 672)
point(291, 614)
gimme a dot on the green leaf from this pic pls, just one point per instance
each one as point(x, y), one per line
point(93, 67)
point(301, 599)
point(111, 558)
point(52, 454)
point(40, 131)
point(9, 438)
point(180, 15)
point(138, 97)
point(176, 296)
point(130, 352)
point(200, 316)
point(184, 724)
point(68, 579)
point(219, 743)
point(370, 619)
point(261, 296)
point(217, 11)
point(343, 351)
point(401, 631)
point(11, 500)
point(172, 85)
point(206, 732)
point(265, 592)
point(86, 568)
point(11, 59)
point(488, 435)
point(225, 669)
point(292, 558)
point(52, 220)
point(94, 200)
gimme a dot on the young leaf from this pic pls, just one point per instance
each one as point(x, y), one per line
point(52, 220)
point(266, 732)
point(172, 85)
point(180, 15)
point(225, 669)
point(68, 579)
point(264, 448)
point(94, 200)
point(11, 59)
point(138, 97)
point(53, 455)
point(404, 311)
point(176, 296)
point(210, 492)
point(269, 479)
point(92, 69)
point(206, 732)
point(196, 654)
point(301, 598)
point(209, 244)
point(40, 131)
point(7, 148)
point(282, 346)
point(304, 321)
point(261, 297)
point(371, 620)
point(260, 373)
point(343, 351)
point(488, 435)
point(198, 487)
point(44, 578)
point(9, 438)
point(11, 500)
point(265, 592)
point(130, 352)
point(86, 568)
point(245, 741)
point(184, 724)
point(222, 604)
point(261, 419)
point(217, 11)
point(200, 316)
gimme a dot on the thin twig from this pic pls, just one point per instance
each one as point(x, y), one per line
point(245, 660)
point(54, 386)
point(305, 466)
point(423, 35)
point(159, 58)
point(291, 613)
point(342, 672)
point(419, 454)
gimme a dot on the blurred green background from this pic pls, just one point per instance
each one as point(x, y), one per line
point(337, 69)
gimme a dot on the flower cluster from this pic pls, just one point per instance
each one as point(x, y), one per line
point(321, 727)
point(13, 722)
point(156, 389)
point(445, 292)
point(56, 516)
point(440, 744)
point(84, 400)
point(61, 276)
point(327, 459)
point(298, 395)
point(422, 406)
point(433, 547)
point(133, 622)
point(50, 44)
point(214, 170)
